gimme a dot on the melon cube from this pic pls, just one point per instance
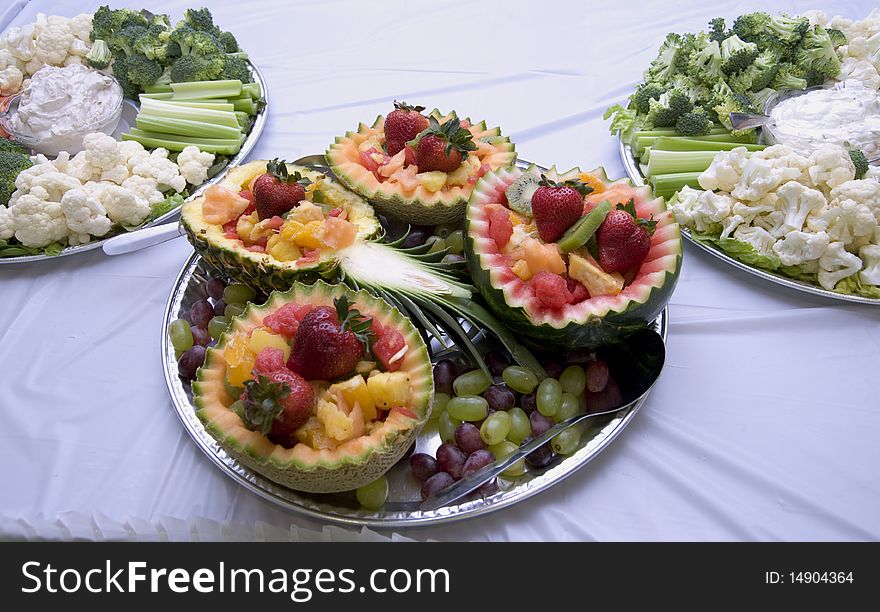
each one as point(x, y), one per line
point(355, 392)
point(337, 425)
point(389, 389)
point(542, 256)
point(263, 338)
point(432, 181)
point(582, 267)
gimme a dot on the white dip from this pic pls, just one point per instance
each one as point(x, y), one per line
point(847, 115)
point(61, 105)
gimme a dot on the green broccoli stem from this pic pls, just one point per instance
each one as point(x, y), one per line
point(185, 127)
point(667, 185)
point(672, 162)
point(206, 89)
point(173, 142)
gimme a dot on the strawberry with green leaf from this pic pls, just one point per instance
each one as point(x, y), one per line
point(403, 124)
point(277, 191)
point(624, 239)
point(557, 206)
point(277, 405)
point(442, 147)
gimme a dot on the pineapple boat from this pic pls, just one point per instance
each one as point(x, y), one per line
point(270, 224)
point(321, 389)
point(416, 168)
point(574, 259)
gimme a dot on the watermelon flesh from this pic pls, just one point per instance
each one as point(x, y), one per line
point(526, 304)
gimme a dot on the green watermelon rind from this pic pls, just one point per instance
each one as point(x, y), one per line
point(603, 326)
point(411, 209)
point(346, 467)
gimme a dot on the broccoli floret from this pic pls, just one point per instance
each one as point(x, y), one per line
point(758, 75)
point(774, 32)
point(126, 38)
point(707, 63)
point(694, 123)
point(859, 161)
point(197, 68)
point(789, 76)
point(228, 41)
point(236, 68)
point(718, 29)
point(728, 101)
point(154, 44)
point(107, 22)
point(665, 111)
point(663, 65)
point(11, 164)
point(11, 146)
point(788, 30)
point(99, 55)
point(736, 54)
point(120, 71)
point(195, 41)
point(142, 70)
point(201, 20)
point(837, 37)
point(816, 55)
point(644, 93)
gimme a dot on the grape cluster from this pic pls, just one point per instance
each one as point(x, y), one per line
point(204, 322)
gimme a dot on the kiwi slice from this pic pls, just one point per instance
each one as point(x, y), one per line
point(578, 234)
point(519, 193)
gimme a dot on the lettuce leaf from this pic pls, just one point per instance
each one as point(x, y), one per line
point(851, 285)
point(14, 249)
point(741, 251)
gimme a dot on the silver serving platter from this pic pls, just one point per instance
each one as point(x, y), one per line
point(631, 165)
point(129, 113)
point(402, 507)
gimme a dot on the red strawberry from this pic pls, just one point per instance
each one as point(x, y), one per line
point(277, 404)
point(402, 125)
point(440, 147)
point(277, 191)
point(329, 343)
point(623, 239)
point(556, 206)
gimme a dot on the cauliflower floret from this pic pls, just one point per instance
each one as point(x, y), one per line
point(101, 150)
point(830, 165)
point(816, 17)
point(38, 223)
point(51, 42)
point(846, 221)
point(10, 80)
point(194, 165)
point(772, 222)
point(72, 59)
point(836, 264)
point(853, 68)
point(20, 42)
point(702, 210)
point(796, 202)
point(124, 206)
point(131, 152)
point(81, 26)
point(728, 224)
point(725, 170)
point(84, 213)
point(144, 187)
point(33, 66)
point(798, 247)
point(77, 239)
point(866, 27)
point(55, 184)
point(869, 254)
point(759, 238)
point(159, 167)
point(761, 176)
point(863, 191)
point(749, 210)
point(81, 169)
point(117, 174)
point(61, 161)
point(7, 223)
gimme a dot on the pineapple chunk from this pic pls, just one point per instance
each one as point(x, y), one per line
point(282, 249)
point(355, 392)
point(389, 389)
point(290, 229)
point(365, 367)
point(262, 338)
point(309, 236)
point(312, 434)
point(239, 360)
point(337, 425)
point(306, 212)
point(245, 227)
point(521, 269)
point(432, 181)
point(582, 267)
point(460, 175)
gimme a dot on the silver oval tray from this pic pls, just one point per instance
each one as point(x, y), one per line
point(129, 113)
point(402, 508)
point(631, 165)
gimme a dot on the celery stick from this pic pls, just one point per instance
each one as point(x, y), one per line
point(179, 143)
point(165, 95)
point(670, 162)
point(641, 142)
point(665, 185)
point(691, 144)
point(253, 90)
point(160, 108)
point(209, 104)
point(157, 89)
point(206, 89)
point(185, 127)
point(244, 104)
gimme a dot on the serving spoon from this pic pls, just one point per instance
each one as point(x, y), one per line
point(634, 364)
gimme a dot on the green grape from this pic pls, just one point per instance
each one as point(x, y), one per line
point(468, 408)
point(373, 495)
point(238, 294)
point(566, 441)
point(455, 242)
point(569, 407)
point(471, 383)
point(495, 428)
point(520, 427)
point(439, 406)
point(505, 449)
point(549, 396)
point(573, 379)
point(181, 336)
point(447, 426)
point(437, 244)
point(217, 326)
point(233, 310)
point(445, 229)
point(520, 379)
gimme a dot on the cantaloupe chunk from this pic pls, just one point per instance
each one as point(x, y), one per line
point(542, 257)
point(339, 233)
point(221, 205)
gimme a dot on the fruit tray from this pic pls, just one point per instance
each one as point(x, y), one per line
point(129, 114)
point(402, 506)
point(631, 165)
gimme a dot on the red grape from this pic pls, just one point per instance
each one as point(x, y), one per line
point(529, 403)
point(553, 368)
point(477, 460)
point(200, 335)
point(500, 397)
point(191, 361)
point(417, 236)
point(201, 313)
point(435, 484)
point(423, 466)
point(219, 308)
point(445, 371)
point(467, 437)
point(496, 362)
point(215, 288)
point(597, 376)
point(540, 423)
point(451, 459)
point(541, 456)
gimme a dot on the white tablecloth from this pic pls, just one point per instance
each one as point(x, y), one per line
point(764, 425)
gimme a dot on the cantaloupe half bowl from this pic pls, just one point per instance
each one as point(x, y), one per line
point(352, 463)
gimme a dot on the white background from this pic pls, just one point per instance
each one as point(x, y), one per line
point(764, 425)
